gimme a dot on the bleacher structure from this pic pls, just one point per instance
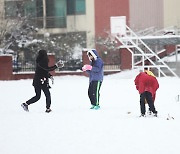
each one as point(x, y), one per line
point(142, 55)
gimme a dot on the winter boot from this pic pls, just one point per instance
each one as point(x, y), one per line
point(25, 107)
point(48, 110)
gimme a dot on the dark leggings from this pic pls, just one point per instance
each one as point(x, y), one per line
point(148, 97)
point(46, 91)
point(93, 92)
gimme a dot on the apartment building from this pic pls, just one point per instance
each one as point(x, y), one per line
point(91, 18)
point(55, 16)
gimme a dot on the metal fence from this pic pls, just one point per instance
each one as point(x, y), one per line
point(111, 67)
point(24, 66)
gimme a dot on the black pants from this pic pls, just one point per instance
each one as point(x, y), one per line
point(148, 97)
point(93, 92)
point(46, 91)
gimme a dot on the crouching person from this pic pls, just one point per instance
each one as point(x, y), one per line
point(146, 85)
point(96, 73)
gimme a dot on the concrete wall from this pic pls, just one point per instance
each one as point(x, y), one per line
point(145, 14)
point(157, 13)
point(171, 13)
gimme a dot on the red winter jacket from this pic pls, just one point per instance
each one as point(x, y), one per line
point(145, 82)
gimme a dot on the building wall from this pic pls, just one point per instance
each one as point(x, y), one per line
point(89, 23)
point(104, 9)
point(5, 67)
point(1, 8)
point(171, 13)
point(146, 13)
point(77, 23)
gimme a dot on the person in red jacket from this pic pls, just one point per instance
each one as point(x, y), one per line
point(147, 85)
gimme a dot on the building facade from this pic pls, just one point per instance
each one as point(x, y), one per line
point(171, 13)
point(92, 17)
point(152, 13)
point(55, 16)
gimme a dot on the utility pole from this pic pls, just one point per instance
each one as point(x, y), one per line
point(44, 14)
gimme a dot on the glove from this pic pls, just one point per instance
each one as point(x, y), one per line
point(83, 68)
point(86, 67)
point(60, 64)
point(52, 79)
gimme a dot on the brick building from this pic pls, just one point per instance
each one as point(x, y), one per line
point(91, 18)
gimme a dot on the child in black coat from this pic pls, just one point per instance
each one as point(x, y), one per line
point(41, 80)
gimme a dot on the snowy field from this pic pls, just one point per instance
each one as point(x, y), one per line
point(72, 128)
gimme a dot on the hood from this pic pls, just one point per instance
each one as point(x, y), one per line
point(42, 55)
point(94, 53)
point(150, 73)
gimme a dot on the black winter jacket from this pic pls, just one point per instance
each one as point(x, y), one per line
point(42, 74)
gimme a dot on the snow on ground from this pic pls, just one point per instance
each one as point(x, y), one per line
point(72, 128)
point(172, 58)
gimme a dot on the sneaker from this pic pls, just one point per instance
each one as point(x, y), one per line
point(92, 107)
point(155, 114)
point(97, 107)
point(149, 112)
point(48, 110)
point(25, 107)
point(142, 115)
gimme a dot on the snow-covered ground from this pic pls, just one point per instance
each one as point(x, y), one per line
point(172, 58)
point(72, 128)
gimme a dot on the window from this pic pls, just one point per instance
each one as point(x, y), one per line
point(56, 13)
point(33, 10)
point(14, 9)
point(30, 9)
point(76, 7)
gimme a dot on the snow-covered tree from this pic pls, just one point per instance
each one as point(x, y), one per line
point(108, 48)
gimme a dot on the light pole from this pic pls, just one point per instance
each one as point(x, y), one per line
point(44, 14)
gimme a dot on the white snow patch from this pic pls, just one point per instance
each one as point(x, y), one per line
point(72, 128)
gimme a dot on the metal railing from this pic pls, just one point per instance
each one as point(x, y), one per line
point(23, 66)
point(132, 41)
point(112, 67)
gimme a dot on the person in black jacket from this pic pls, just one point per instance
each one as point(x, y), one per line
point(41, 80)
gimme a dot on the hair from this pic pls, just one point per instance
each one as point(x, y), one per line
point(89, 54)
point(145, 68)
point(42, 55)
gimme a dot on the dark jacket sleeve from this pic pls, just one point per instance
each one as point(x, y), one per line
point(46, 67)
